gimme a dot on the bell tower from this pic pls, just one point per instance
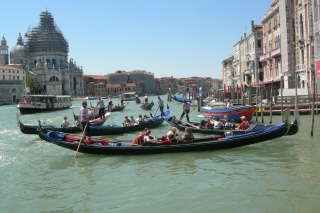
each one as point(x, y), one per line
point(4, 53)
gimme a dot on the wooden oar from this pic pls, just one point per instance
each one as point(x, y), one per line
point(194, 126)
point(83, 136)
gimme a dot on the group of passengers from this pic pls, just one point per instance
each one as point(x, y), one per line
point(172, 136)
point(135, 121)
point(226, 123)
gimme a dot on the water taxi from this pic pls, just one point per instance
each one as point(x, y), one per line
point(43, 103)
point(129, 96)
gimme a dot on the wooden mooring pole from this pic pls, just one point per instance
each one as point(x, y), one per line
point(281, 86)
point(313, 101)
point(270, 98)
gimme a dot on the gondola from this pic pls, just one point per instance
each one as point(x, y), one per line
point(195, 127)
point(105, 147)
point(147, 106)
point(181, 100)
point(117, 129)
point(33, 129)
point(138, 101)
point(117, 108)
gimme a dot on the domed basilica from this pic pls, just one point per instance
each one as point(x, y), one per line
point(45, 53)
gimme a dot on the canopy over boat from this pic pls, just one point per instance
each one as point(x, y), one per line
point(96, 146)
point(233, 113)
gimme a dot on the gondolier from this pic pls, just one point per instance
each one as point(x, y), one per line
point(161, 105)
point(101, 107)
point(186, 109)
point(84, 115)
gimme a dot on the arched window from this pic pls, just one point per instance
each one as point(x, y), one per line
point(301, 27)
point(53, 79)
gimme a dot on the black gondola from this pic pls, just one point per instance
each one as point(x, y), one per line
point(33, 129)
point(96, 146)
point(117, 108)
point(147, 106)
point(195, 127)
point(138, 101)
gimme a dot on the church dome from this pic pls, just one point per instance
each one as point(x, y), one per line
point(17, 52)
point(46, 37)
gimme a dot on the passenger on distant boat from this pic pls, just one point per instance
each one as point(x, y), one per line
point(126, 121)
point(186, 109)
point(110, 106)
point(146, 99)
point(244, 123)
point(140, 119)
point(229, 104)
point(132, 120)
point(101, 107)
point(76, 121)
point(65, 122)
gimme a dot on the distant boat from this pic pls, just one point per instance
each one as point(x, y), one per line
point(181, 99)
point(129, 96)
point(43, 103)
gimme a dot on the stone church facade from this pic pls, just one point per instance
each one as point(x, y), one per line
point(44, 54)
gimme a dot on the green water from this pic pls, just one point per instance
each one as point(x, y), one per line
point(281, 175)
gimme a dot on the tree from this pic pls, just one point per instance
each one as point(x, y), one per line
point(33, 83)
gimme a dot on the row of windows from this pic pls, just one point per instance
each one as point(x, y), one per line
point(12, 77)
point(11, 71)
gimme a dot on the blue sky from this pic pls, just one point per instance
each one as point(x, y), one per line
point(167, 37)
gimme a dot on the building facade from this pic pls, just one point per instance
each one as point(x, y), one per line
point(316, 44)
point(228, 73)
point(4, 55)
point(45, 54)
point(271, 57)
point(144, 80)
point(12, 84)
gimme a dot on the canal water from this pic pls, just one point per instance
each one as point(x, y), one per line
point(281, 175)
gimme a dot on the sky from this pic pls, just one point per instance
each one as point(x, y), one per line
point(179, 38)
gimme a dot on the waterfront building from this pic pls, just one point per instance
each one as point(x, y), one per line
point(144, 80)
point(118, 89)
point(95, 85)
point(237, 80)
point(12, 84)
point(271, 57)
point(216, 84)
point(163, 84)
point(316, 44)
point(228, 73)
point(303, 47)
point(45, 54)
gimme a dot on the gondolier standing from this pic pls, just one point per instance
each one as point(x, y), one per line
point(161, 105)
point(186, 110)
point(146, 98)
point(101, 107)
point(84, 115)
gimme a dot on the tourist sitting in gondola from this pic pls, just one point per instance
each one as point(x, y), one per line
point(126, 121)
point(132, 120)
point(188, 136)
point(148, 138)
point(138, 141)
point(173, 135)
point(217, 124)
point(244, 123)
point(110, 105)
point(65, 122)
point(140, 119)
point(228, 125)
point(76, 121)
